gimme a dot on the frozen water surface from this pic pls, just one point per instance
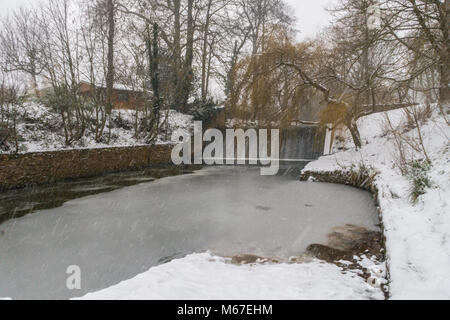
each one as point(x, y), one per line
point(116, 235)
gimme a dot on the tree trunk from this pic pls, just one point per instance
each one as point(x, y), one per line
point(208, 67)
point(205, 53)
point(188, 73)
point(34, 85)
point(110, 56)
point(153, 59)
point(177, 73)
point(354, 131)
point(444, 90)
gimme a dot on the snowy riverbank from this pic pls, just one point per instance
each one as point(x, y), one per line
point(417, 235)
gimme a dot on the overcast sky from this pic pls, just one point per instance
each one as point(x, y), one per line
point(8, 4)
point(311, 14)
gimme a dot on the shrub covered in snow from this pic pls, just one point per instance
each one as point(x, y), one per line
point(419, 179)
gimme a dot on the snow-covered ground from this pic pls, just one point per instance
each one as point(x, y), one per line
point(205, 277)
point(417, 236)
point(40, 129)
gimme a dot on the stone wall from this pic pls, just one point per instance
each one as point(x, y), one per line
point(21, 170)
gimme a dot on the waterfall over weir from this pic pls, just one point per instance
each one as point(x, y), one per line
point(300, 145)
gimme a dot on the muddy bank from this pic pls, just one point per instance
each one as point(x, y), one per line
point(347, 246)
point(348, 241)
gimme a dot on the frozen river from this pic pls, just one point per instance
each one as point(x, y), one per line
point(115, 235)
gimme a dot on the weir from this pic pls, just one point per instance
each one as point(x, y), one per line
point(299, 145)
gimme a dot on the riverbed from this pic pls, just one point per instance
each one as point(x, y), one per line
point(116, 234)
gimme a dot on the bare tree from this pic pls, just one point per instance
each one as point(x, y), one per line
point(353, 68)
point(11, 99)
point(20, 38)
point(422, 28)
point(61, 53)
